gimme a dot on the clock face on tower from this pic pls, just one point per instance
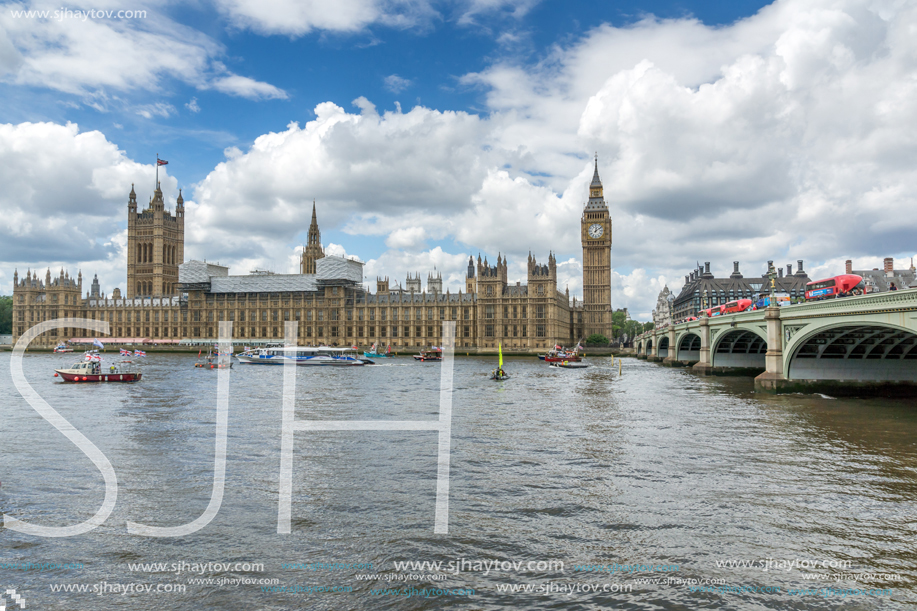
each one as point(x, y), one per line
point(596, 230)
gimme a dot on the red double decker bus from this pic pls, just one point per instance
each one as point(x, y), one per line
point(839, 286)
point(739, 305)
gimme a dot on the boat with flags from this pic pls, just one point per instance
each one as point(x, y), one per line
point(433, 354)
point(498, 373)
point(302, 355)
point(214, 359)
point(375, 354)
point(91, 369)
point(559, 354)
point(63, 347)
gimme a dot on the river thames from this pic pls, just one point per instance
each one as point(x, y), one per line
point(569, 489)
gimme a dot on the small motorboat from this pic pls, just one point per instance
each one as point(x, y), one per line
point(213, 361)
point(433, 354)
point(62, 347)
point(372, 353)
point(93, 371)
point(569, 365)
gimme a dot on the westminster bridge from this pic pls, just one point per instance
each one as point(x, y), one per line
point(864, 344)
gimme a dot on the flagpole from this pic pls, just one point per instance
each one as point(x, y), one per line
point(156, 186)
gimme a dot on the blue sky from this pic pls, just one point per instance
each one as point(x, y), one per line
point(427, 131)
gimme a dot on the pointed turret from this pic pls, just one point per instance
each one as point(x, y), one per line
point(596, 181)
point(313, 250)
point(596, 191)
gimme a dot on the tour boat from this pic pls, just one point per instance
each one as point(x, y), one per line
point(62, 347)
point(301, 355)
point(433, 354)
point(374, 354)
point(94, 371)
point(569, 365)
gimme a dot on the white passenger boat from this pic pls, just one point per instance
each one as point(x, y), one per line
point(323, 355)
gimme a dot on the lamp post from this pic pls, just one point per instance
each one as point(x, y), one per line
point(772, 274)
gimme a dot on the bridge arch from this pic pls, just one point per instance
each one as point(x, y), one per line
point(864, 351)
point(739, 348)
point(662, 348)
point(649, 346)
point(688, 347)
point(640, 347)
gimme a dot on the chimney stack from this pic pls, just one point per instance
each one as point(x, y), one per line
point(780, 272)
point(848, 267)
point(889, 264)
point(789, 269)
point(799, 271)
point(706, 267)
point(735, 270)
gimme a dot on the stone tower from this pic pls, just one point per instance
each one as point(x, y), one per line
point(596, 239)
point(313, 250)
point(435, 282)
point(412, 284)
point(542, 279)
point(155, 246)
point(469, 277)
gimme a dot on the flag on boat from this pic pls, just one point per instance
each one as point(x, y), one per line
point(353, 347)
point(556, 347)
point(126, 352)
point(96, 342)
point(139, 353)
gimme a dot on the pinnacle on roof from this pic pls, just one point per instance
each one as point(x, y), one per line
point(180, 200)
point(596, 181)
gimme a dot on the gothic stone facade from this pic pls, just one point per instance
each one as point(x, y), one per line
point(155, 246)
point(168, 303)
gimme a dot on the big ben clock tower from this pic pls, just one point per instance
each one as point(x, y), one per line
point(596, 238)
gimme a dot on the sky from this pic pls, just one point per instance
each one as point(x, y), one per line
point(429, 131)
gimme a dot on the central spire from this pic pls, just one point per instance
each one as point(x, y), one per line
point(313, 250)
point(596, 181)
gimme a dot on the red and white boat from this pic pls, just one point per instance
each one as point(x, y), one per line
point(94, 371)
point(433, 354)
point(559, 355)
point(62, 347)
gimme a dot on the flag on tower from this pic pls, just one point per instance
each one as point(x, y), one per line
point(161, 162)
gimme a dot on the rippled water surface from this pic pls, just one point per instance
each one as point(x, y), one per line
point(652, 467)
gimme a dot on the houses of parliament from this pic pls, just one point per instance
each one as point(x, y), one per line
point(168, 301)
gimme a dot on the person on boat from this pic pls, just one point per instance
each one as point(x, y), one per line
point(112, 368)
